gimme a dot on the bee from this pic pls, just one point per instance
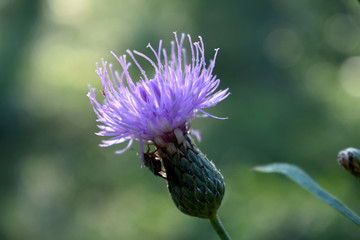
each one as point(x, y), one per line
point(103, 93)
point(154, 164)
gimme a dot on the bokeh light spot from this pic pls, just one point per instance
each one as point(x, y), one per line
point(68, 11)
point(283, 47)
point(350, 76)
point(341, 33)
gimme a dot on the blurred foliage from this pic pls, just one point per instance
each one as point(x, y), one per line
point(292, 68)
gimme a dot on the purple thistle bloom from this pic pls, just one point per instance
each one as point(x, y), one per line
point(158, 106)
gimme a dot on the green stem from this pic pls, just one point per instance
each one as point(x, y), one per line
point(219, 228)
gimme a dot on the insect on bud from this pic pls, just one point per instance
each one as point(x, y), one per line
point(154, 164)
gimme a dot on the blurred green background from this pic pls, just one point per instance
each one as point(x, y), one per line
point(293, 70)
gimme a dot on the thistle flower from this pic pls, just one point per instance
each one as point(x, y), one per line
point(159, 111)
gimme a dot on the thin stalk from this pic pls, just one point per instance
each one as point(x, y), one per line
point(219, 228)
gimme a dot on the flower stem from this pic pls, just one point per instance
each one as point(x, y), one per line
point(219, 228)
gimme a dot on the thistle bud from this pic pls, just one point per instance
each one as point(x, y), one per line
point(350, 160)
point(196, 186)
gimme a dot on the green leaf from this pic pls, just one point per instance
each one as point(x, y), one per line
point(300, 177)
